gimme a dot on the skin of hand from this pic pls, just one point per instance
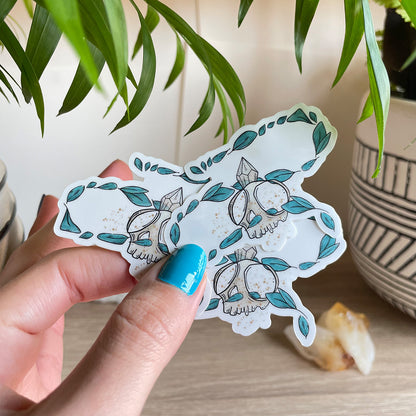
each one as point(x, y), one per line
point(47, 275)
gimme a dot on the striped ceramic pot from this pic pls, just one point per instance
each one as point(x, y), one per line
point(382, 214)
point(11, 228)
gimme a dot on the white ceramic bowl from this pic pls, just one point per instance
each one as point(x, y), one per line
point(11, 228)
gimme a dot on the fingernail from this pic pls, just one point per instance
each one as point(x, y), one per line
point(185, 268)
point(40, 204)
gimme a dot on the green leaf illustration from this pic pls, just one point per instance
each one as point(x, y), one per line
point(165, 171)
point(136, 195)
point(175, 233)
point(280, 175)
point(138, 163)
point(144, 242)
point(220, 156)
point(256, 219)
point(320, 137)
point(299, 115)
point(87, 235)
point(217, 193)
point(213, 304)
point(68, 225)
point(303, 326)
point(186, 178)
point(117, 239)
point(281, 300)
point(75, 193)
point(306, 265)
point(281, 120)
point(163, 248)
point(276, 264)
point(222, 261)
point(110, 186)
point(327, 247)
point(244, 140)
point(235, 298)
point(212, 254)
point(192, 205)
point(232, 257)
point(312, 116)
point(308, 165)
point(327, 220)
point(196, 170)
point(232, 238)
point(297, 205)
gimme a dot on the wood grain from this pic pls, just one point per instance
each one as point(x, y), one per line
point(217, 372)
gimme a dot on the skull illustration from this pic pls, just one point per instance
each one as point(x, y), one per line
point(258, 206)
point(146, 228)
point(242, 285)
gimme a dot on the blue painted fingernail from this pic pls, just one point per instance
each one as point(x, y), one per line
point(185, 268)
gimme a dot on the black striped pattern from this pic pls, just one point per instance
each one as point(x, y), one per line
point(382, 225)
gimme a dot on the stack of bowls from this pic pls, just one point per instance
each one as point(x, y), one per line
point(11, 228)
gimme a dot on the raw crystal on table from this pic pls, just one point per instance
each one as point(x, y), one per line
point(172, 200)
point(246, 173)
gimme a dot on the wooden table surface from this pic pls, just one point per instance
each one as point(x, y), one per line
point(217, 372)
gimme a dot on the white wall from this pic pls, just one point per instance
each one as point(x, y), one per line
point(77, 145)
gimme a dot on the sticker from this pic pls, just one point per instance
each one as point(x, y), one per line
point(242, 203)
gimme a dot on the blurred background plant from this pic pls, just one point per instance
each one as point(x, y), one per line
point(97, 31)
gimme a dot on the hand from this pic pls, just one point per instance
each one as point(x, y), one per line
point(45, 277)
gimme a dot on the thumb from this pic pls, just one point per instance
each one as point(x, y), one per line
point(141, 337)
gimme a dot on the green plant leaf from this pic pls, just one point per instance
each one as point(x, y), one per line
point(118, 30)
point(43, 38)
point(226, 113)
point(5, 7)
point(17, 53)
point(226, 75)
point(7, 84)
point(206, 108)
point(410, 8)
point(354, 30)
point(147, 77)
point(305, 11)
point(67, 17)
point(4, 95)
point(368, 110)
point(243, 9)
point(29, 7)
point(81, 85)
point(409, 60)
point(152, 19)
point(103, 35)
point(379, 82)
point(212, 60)
point(179, 63)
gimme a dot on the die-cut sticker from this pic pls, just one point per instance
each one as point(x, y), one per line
point(242, 203)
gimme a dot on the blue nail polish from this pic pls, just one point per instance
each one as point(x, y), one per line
point(185, 268)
